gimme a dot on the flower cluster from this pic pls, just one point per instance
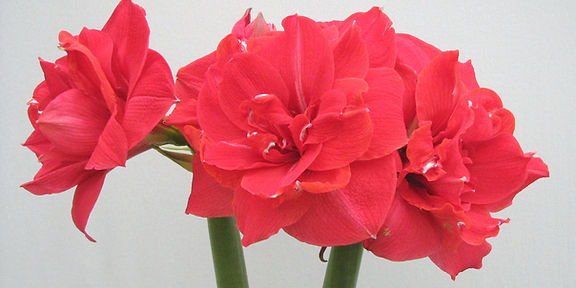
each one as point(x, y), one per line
point(336, 132)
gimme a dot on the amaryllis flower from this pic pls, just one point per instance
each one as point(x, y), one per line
point(301, 126)
point(96, 107)
point(461, 163)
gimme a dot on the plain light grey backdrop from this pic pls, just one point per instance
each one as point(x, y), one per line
point(524, 50)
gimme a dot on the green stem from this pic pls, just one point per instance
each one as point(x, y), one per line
point(343, 266)
point(227, 253)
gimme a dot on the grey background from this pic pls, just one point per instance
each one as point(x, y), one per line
point(524, 50)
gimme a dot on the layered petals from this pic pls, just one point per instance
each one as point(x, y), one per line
point(377, 32)
point(208, 198)
point(407, 234)
point(352, 213)
point(461, 164)
point(303, 57)
point(96, 107)
point(259, 218)
point(308, 120)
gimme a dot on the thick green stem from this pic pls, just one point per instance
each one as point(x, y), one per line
point(227, 253)
point(343, 266)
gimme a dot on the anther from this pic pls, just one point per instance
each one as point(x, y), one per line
point(267, 150)
point(303, 132)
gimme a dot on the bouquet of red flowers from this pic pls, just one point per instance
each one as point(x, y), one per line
point(344, 134)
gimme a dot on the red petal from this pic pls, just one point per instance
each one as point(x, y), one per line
point(191, 77)
point(461, 120)
point(38, 143)
point(345, 137)
point(244, 29)
point(414, 52)
point(350, 55)
point(325, 181)
point(498, 169)
point(267, 113)
point(259, 218)
point(55, 80)
point(435, 97)
point(212, 119)
point(101, 46)
point(85, 197)
point(36, 105)
point(463, 257)
point(451, 184)
point(353, 89)
point(112, 148)
point(86, 72)
point(55, 177)
point(228, 47)
point(208, 197)
point(480, 226)
point(129, 30)
point(239, 29)
point(304, 58)
point(384, 99)
point(353, 213)
point(185, 113)
point(408, 233)
point(234, 155)
point(73, 122)
point(420, 148)
point(468, 76)
point(378, 35)
point(151, 98)
point(245, 77)
point(266, 182)
point(535, 170)
point(408, 99)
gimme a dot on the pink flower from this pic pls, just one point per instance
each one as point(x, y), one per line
point(461, 163)
point(301, 126)
point(96, 106)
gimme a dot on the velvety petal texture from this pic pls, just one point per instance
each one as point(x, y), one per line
point(307, 120)
point(461, 164)
point(96, 107)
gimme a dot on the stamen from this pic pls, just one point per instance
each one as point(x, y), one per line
point(432, 163)
point(298, 188)
point(303, 132)
point(267, 150)
point(251, 117)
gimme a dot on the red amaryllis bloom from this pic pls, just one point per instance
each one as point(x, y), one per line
point(302, 125)
point(96, 106)
point(461, 163)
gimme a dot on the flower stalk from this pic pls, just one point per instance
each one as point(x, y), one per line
point(227, 253)
point(343, 266)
